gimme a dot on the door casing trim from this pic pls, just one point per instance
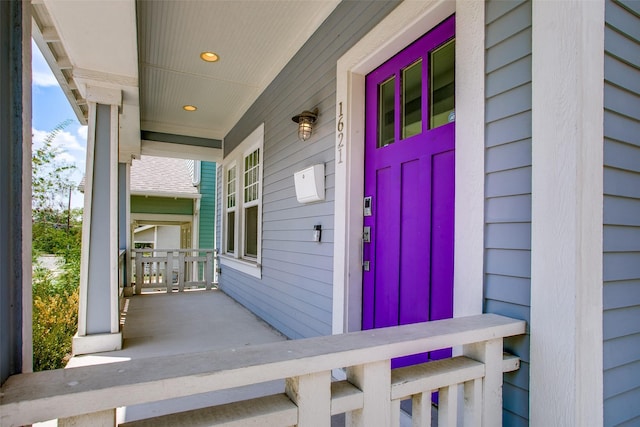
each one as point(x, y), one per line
point(406, 23)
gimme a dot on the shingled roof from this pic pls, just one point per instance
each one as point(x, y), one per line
point(162, 176)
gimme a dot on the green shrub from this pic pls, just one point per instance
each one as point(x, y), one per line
point(55, 318)
point(56, 230)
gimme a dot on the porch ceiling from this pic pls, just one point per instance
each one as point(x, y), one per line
point(155, 46)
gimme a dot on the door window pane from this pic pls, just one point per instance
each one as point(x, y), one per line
point(251, 231)
point(412, 100)
point(442, 91)
point(386, 112)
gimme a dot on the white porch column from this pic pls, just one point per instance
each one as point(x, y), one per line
point(98, 320)
point(567, 198)
point(124, 221)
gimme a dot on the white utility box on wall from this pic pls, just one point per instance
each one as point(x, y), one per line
point(310, 184)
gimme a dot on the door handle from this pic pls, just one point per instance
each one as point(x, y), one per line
point(366, 238)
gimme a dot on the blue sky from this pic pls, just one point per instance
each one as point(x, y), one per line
point(50, 108)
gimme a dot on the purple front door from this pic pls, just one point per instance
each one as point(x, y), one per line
point(409, 177)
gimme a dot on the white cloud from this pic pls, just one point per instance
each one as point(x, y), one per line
point(72, 146)
point(82, 133)
point(40, 71)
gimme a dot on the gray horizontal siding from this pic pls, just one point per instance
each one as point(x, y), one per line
point(621, 246)
point(507, 266)
point(295, 292)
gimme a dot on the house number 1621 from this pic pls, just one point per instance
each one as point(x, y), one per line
point(340, 129)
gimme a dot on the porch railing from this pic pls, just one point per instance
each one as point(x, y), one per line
point(369, 396)
point(171, 269)
point(122, 276)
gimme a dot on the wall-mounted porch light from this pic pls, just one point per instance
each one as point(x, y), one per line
point(305, 121)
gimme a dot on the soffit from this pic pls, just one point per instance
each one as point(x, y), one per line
point(93, 42)
point(99, 36)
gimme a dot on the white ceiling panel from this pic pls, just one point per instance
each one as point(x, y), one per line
point(254, 39)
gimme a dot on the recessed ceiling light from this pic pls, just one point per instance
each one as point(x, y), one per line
point(209, 56)
point(189, 108)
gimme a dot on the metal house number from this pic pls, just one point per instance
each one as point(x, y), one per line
point(340, 129)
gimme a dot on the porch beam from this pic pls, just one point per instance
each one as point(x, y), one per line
point(567, 201)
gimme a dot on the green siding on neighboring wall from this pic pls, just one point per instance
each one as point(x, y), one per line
point(207, 204)
point(161, 205)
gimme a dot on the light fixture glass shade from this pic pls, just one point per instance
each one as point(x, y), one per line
point(305, 121)
point(304, 129)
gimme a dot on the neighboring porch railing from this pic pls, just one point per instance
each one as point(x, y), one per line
point(171, 269)
point(369, 396)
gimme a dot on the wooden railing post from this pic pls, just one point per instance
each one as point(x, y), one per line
point(168, 272)
point(208, 270)
point(181, 270)
point(421, 409)
point(473, 403)
point(448, 406)
point(490, 353)
point(139, 273)
point(312, 394)
point(374, 379)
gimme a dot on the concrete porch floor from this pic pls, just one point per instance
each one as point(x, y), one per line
point(158, 324)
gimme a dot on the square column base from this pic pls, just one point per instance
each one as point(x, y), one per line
point(98, 343)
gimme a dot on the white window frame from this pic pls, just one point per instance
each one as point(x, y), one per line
point(237, 260)
point(227, 209)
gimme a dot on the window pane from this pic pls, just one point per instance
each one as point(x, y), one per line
point(231, 231)
point(251, 184)
point(251, 231)
point(412, 100)
point(442, 91)
point(231, 187)
point(386, 113)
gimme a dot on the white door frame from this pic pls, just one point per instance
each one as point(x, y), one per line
point(406, 23)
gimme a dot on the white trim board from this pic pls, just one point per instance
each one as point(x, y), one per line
point(150, 217)
point(403, 25)
point(180, 151)
point(566, 369)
